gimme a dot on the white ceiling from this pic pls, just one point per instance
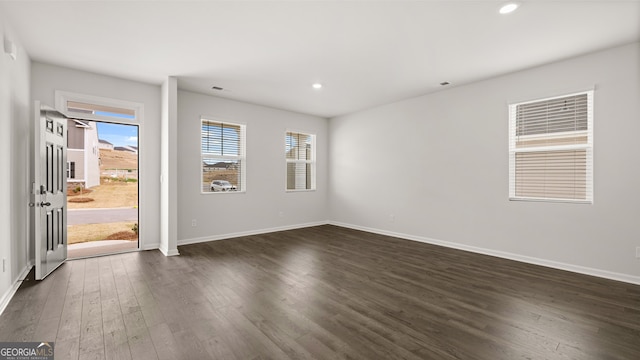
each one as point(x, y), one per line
point(269, 53)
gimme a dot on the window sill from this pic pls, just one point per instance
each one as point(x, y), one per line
point(551, 200)
point(222, 192)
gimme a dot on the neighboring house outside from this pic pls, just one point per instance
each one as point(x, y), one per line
point(133, 149)
point(104, 144)
point(83, 154)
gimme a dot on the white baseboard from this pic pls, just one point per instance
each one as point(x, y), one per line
point(249, 233)
point(165, 252)
point(150, 246)
point(502, 254)
point(8, 295)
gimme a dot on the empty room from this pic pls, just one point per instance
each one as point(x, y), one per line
point(320, 179)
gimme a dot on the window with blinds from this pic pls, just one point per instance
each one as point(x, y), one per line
point(223, 156)
point(301, 161)
point(551, 149)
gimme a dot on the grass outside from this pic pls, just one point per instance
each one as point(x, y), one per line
point(96, 232)
point(109, 194)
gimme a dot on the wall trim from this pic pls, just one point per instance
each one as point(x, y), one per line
point(501, 254)
point(8, 295)
point(172, 252)
point(153, 246)
point(250, 232)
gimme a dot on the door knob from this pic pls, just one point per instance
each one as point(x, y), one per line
point(43, 204)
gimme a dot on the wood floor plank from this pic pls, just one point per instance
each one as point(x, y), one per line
point(68, 349)
point(47, 329)
point(116, 341)
point(323, 292)
point(55, 299)
point(189, 346)
point(164, 342)
point(71, 317)
point(114, 351)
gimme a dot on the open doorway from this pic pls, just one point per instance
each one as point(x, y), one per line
point(102, 188)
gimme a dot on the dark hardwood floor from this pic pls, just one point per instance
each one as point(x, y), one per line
point(323, 293)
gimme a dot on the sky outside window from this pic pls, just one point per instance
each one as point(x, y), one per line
point(118, 134)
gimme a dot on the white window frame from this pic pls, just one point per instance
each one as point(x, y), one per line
point(588, 147)
point(312, 161)
point(242, 157)
point(69, 171)
point(62, 98)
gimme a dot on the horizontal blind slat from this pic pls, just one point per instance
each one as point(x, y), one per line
point(555, 115)
point(551, 174)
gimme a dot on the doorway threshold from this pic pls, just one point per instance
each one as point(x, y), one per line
point(99, 248)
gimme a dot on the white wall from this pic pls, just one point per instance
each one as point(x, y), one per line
point(439, 164)
point(168, 168)
point(46, 79)
point(92, 156)
point(14, 153)
point(220, 215)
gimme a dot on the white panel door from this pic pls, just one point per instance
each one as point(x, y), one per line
point(50, 189)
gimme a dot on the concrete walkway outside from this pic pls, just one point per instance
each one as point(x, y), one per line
point(101, 216)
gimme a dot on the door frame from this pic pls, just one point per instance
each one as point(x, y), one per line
point(61, 100)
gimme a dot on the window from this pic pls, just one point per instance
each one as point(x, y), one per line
point(93, 109)
point(551, 149)
point(71, 169)
point(301, 161)
point(88, 107)
point(223, 156)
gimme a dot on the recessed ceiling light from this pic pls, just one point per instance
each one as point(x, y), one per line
point(317, 86)
point(508, 8)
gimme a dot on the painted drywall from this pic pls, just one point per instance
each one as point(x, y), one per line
point(14, 153)
point(169, 176)
point(46, 79)
point(91, 156)
point(435, 168)
point(265, 205)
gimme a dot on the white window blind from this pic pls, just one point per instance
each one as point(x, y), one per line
point(301, 161)
point(223, 156)
point(551, 149)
